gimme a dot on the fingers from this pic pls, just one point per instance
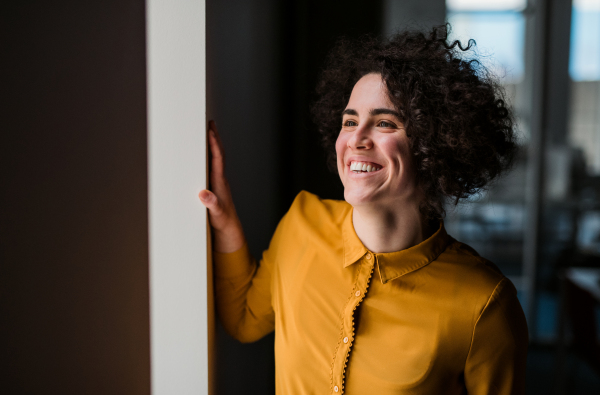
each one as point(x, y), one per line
point(218, 199)
point(212, 125)
point(217, 154)
point(216, 149)
point(214, 138)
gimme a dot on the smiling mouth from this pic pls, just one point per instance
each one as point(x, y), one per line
point(364, 167)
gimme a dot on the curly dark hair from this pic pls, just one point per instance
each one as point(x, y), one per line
point(460, 128)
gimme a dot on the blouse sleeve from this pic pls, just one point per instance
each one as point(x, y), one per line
point(243, 295)
point(244, 290)
point(497, 358)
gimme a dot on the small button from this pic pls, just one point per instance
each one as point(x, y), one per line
point(368, 255)
point(346, 340)
point(335, 388)
point(357, 293)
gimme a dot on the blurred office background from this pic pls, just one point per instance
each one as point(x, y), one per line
point(75, 286)
point(537, 224)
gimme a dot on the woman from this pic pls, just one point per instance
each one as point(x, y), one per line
point(371, 295)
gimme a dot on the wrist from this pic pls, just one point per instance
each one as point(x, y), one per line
point(229, 240)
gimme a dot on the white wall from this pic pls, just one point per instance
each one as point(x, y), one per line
point(177, 221)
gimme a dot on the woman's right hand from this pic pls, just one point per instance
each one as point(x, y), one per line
point(228, 232)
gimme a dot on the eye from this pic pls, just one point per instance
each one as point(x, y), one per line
point(350, 123)
point(386, 124)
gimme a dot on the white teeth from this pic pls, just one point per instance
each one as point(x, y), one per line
point(363, 167)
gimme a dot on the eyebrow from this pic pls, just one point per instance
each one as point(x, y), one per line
point(372, 112)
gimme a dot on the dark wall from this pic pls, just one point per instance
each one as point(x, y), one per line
point(309, 31)
point(73, 226)
point(414, 14)
point(242, 99)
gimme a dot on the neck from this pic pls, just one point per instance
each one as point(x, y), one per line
point(388, 228)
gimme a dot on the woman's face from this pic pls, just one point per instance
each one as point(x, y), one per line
point(373, 140)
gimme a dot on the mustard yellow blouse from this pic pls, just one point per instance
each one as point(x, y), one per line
point(432, 319)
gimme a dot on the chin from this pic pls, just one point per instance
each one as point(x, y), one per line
point(358, 198)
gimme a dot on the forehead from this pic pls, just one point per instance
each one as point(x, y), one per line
point(368, 93)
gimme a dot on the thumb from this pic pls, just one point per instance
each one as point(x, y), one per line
point(209, 200)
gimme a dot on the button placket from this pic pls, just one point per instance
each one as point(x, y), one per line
point(342, 354)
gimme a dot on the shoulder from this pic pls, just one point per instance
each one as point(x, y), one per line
point(310, 210)
point(480, 281)
point(477, 272)
point(480, 288)
point(310, 219)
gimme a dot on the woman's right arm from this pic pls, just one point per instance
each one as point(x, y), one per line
point(227, 229)
point(243, 289)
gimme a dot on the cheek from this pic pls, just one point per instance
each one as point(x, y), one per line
point(392, 148)
point(340, 146)
point(399, 152)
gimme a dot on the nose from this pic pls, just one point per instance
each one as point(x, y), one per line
point(361, 139)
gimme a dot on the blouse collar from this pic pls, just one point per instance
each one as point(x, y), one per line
point(398, 263)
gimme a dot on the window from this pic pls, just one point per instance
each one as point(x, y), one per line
point(493, 222)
